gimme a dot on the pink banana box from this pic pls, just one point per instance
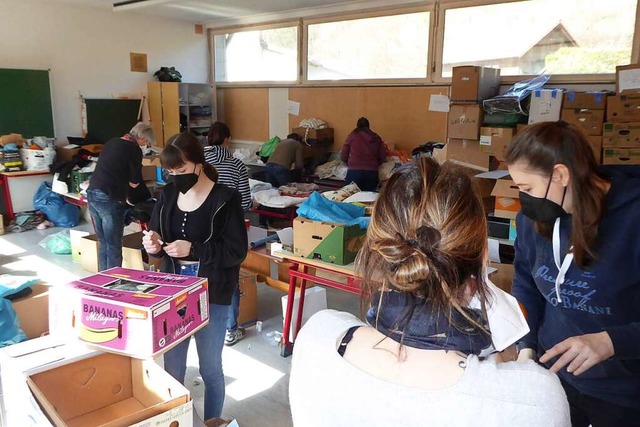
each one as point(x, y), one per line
point(137, 313)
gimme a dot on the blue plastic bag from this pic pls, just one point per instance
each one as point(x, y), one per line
point(10, 332)
point(61, 213)
point(319, 208)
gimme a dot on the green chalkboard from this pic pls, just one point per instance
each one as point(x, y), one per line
point(25, 103)
point(110, 118)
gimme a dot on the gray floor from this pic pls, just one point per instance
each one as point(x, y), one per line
point(257, 378)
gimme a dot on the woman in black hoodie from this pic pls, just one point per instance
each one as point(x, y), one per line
point(197, 227)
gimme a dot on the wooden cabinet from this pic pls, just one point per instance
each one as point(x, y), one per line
point(180, 107)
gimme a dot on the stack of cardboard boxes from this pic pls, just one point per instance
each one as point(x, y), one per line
point(621, 132)
point(586, 110)
point(469, 87)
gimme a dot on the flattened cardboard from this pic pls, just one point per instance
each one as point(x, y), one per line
point(33, 311)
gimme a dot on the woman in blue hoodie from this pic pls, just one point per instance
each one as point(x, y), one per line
point(577, 271)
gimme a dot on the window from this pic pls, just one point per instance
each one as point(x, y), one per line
point(385, 47)
point(541, 36)
point(258, 55)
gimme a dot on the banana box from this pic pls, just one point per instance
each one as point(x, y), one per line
point(137, 313)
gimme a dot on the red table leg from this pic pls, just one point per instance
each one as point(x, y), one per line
point(286, 348)
point(7, 197)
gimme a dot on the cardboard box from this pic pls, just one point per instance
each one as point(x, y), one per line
point(590, 121)
point(620, 156)
point(503, 276)
point(596, 146)
point(474, 84)
point(153, 160)
point(623, 135)
point(627, 77)
point(333, 243)
point(76, 244)
point(464, 121)
point(131, 252)
point(545, 105)
point(463, 152)
point(624, 108)
point(137, 313)
point(494, 141)
point(248, 298)
point(64, 154)
point(109, 390)
point(507, 199)
point(596, 100)
point(33, 311)
point(320, 135)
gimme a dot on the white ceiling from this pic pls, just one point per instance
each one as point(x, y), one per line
point(203, 11)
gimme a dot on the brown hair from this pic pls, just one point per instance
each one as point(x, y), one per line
point(184, 147)
point(544, 145)
point(427, 237)
point(218, 132)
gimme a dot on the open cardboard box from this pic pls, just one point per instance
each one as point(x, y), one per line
point(110, 390)
point(131, 252)
point(332, 243)
point(136, 313)
point(33, 311)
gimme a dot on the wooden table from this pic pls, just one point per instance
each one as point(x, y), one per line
point(311, 270)
point(271, 270)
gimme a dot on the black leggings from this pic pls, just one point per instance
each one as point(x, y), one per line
point(588, 410)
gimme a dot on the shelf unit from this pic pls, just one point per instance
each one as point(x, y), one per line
point(181, 107)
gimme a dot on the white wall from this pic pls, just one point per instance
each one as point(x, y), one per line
point(87, 50)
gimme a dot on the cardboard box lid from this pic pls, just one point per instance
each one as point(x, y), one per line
point(506, 188)
point(594, 99)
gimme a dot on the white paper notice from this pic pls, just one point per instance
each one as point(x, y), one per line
point(293, 107)
point(439, 103)
point(494, 250)
point(628, 79)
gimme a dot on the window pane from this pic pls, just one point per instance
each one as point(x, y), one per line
point(262, 55)
point(536, 36)
point(387, 47)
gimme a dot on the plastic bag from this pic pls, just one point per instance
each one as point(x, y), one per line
point(512, 101)
point(61, 213)
point(10, 332)
point(58, 243)
point(319, 208)
point(269, 147)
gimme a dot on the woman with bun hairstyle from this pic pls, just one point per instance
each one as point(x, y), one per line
point(415, 361)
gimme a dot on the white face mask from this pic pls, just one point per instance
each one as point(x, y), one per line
point(506, 320)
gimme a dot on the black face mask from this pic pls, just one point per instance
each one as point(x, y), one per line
point(541, 209)
point(185, 181)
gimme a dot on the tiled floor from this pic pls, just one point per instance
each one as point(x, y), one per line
point(257, 377)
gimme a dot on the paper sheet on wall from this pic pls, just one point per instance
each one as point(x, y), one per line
point(439, 103)
point(494, 250)
point(293, 107)
point(628, 79)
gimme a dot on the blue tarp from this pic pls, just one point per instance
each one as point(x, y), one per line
point(319, 208)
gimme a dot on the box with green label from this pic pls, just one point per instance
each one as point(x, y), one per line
point(621, 156)
point(328, 242)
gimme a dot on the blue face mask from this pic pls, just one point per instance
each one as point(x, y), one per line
point(541, 209)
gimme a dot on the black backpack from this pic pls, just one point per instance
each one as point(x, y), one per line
point(168, 74)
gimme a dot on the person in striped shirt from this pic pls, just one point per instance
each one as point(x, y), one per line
point(232, 173)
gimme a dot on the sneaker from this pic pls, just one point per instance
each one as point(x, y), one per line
point(233, 337)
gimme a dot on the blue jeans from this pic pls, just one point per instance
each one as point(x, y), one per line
point(365, 180)
point(209, 343)
point(108, 219)
point(277, 175)
point(234, 310)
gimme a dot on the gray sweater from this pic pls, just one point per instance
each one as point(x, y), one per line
point(326, 390)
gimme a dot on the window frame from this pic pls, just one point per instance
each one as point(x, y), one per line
point(435, 49)
point(212, 32)
point(445, 5)
point(429, 7)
